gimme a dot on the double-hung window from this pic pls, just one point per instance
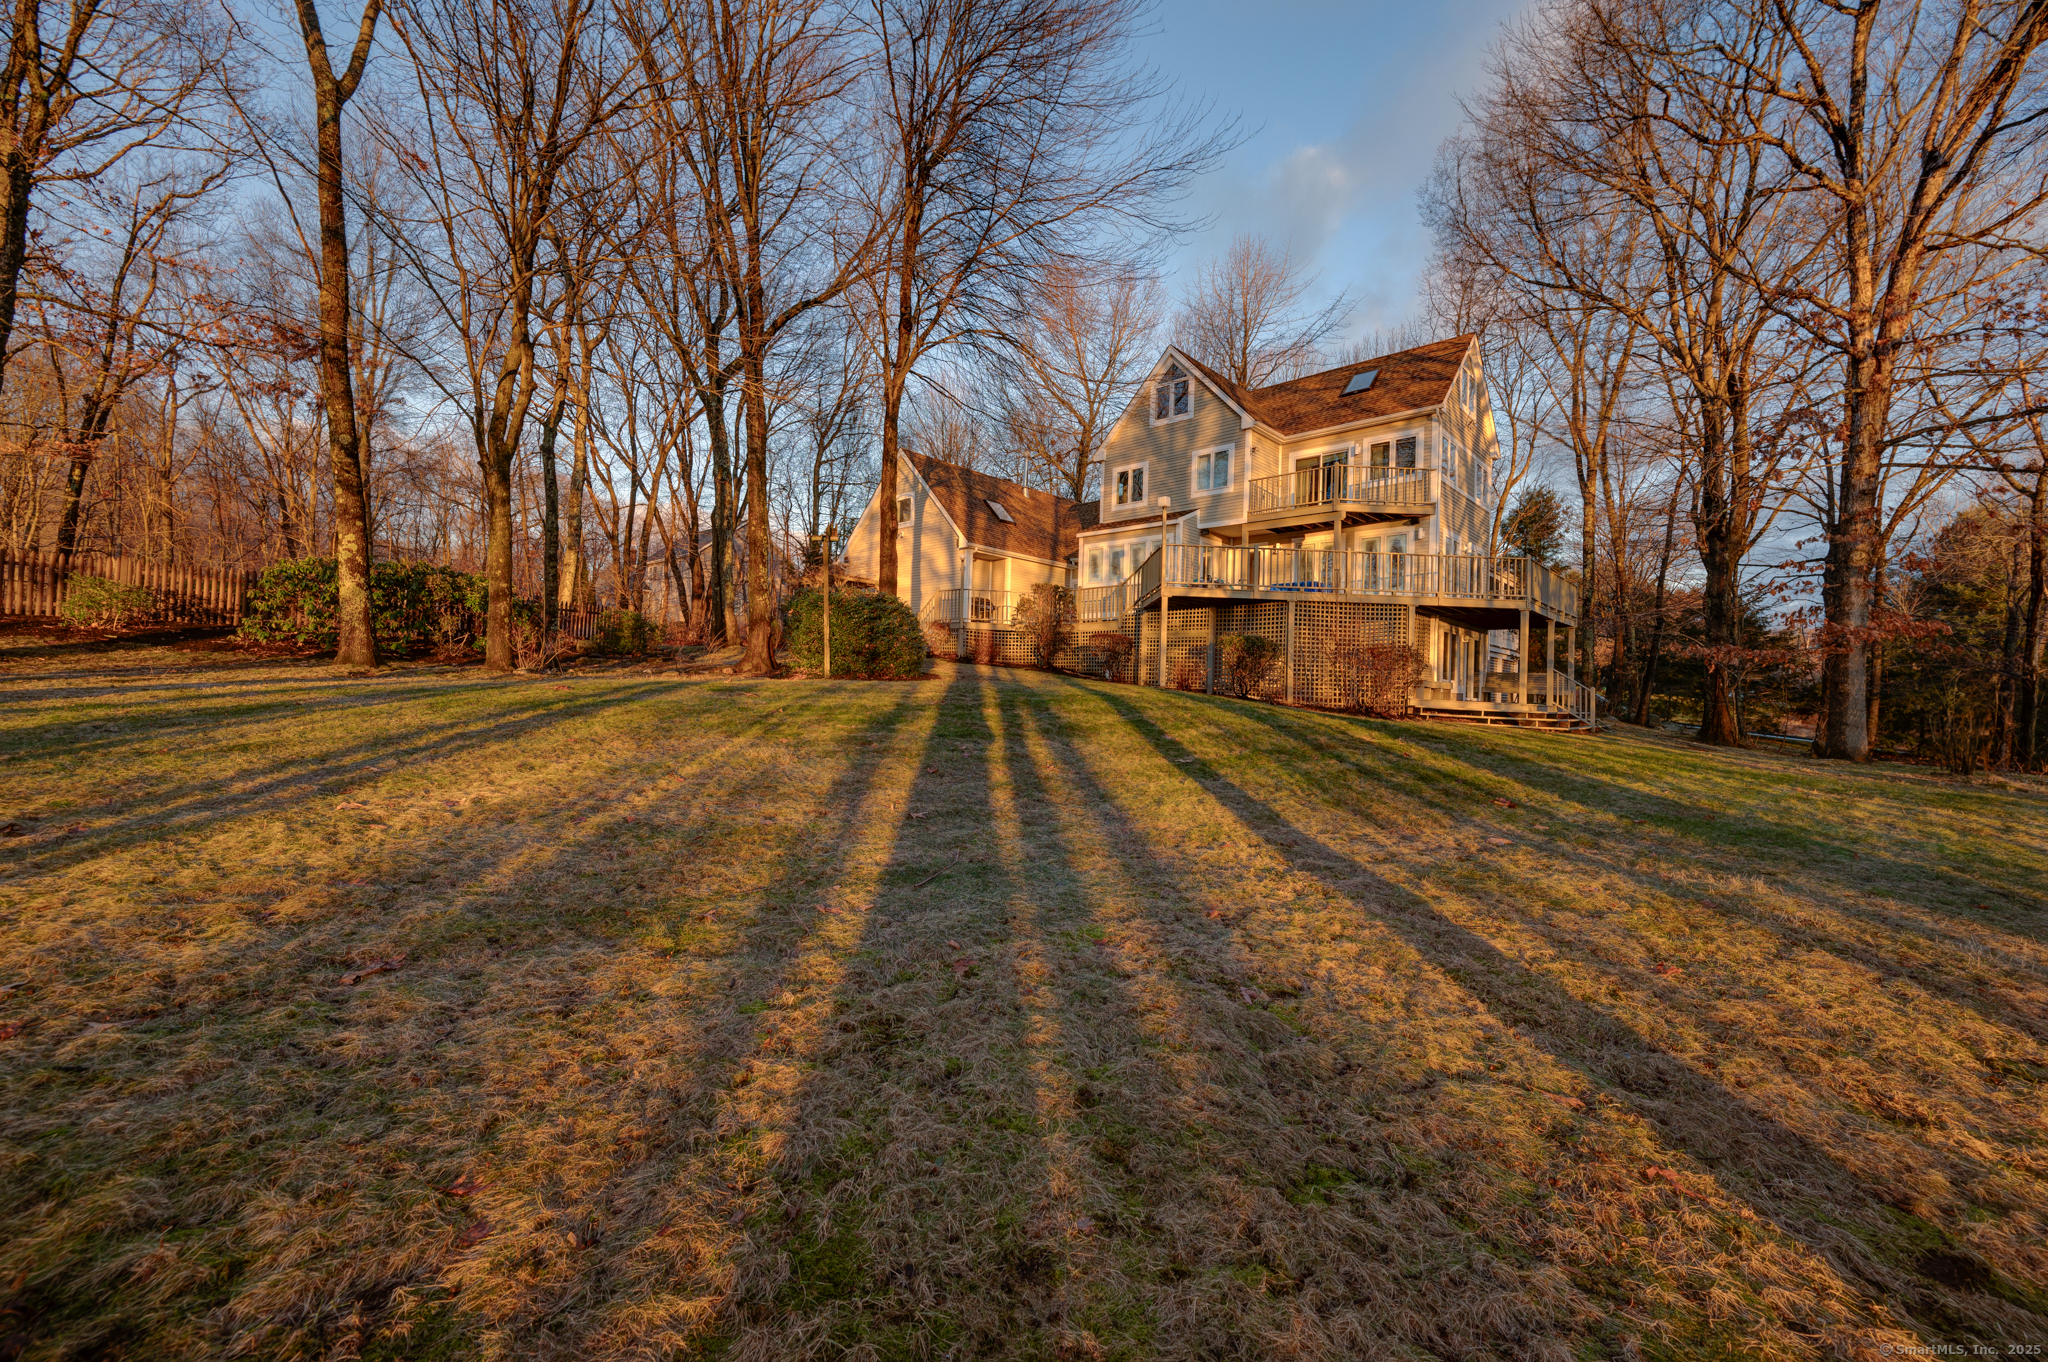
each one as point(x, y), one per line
point(1170, 395)
point(1212, 471)
point(1404, 452)
point(1130, 486)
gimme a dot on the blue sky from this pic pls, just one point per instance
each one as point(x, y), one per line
point(1346, 104)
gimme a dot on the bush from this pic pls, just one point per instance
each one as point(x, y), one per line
point(1245, 661)
point(874, 636)
point(1375, 678)
point(412, 605)
point(98, 603)
point(622, 633)
point(1113, 650)
point(1045, 620)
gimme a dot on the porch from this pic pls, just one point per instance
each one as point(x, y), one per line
point(1451, 608)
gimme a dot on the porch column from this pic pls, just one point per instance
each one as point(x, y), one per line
point(1522, 656)
point(1162, 616)
point(1549, 659)
point(1571, 654)
point(1290, 650)
point(1209, 682)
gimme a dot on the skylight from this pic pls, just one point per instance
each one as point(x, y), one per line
point(1360, 381)
point(1002, 511)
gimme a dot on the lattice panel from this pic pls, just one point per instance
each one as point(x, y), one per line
point(1187, 648)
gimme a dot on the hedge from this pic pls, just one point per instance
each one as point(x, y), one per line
point(412, 605)
point(874, 636)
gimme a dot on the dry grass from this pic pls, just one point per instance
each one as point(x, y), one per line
point(999, 1015)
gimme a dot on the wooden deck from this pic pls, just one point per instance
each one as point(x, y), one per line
point(1470, 590)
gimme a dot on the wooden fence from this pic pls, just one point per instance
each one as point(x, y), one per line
point(37, 583)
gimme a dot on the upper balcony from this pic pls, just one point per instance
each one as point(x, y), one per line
point(1315, 498)
point(1482, 591)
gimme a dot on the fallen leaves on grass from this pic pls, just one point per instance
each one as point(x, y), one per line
point(1501, 841)
point(1661, 967)
point(1505, 803)
point(350, 804)
point(12, 829)
point(9, 1030)
point(474, 1235)
point(461, 1187)
point(1566, 1100)
point(384, 966)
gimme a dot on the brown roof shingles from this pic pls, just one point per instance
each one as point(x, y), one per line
point(1044, 525)
point(1421, 377)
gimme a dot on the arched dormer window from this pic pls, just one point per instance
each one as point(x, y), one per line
point(1170, 397)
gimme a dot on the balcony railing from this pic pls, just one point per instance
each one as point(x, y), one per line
point(1320, 572)
point(1337, 484)
point(965, 605)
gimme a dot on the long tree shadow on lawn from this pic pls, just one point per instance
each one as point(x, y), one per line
point(1782, 1176)
point(1955, 982)
point(918, 1132)
point(575, 1177)
point(286, 785)
point(1246, 1116)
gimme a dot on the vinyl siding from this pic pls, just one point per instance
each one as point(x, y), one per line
point(927, 559)
point(1170, 448)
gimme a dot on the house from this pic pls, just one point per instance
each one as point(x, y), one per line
point(1350, 506)
point(969, 549)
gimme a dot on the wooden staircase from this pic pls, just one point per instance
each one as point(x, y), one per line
point(1549, 721)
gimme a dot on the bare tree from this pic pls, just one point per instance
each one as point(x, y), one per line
point(78, 95)
point(513, 93)
point(1079, 345)
point(1920, 126)
point(357, 638)
point(1243, 315)
point(1009, 132)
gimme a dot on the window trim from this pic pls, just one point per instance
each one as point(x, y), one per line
point(1195, 487)
point(1165, 381)
point(1121, 507)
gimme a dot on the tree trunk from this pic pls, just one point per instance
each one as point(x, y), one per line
point(718, 605)
point(1720, 553)
point(760, 655)
point(551, 516)
point(1656, 644)
point(357, 641)
point(2030, 649)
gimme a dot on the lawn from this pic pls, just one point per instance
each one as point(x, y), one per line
point(998, 1015)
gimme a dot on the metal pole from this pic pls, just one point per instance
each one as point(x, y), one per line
point(829, 532)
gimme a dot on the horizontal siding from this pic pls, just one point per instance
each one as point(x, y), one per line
point(925, 558)
point(1170, 448)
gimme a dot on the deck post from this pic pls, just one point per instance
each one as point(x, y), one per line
point(1549, 660)
point(1290, 649)
point(1522, 657)
point(1209, 682)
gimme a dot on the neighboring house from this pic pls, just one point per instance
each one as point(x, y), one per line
point(1350, 506)
point(969, 548)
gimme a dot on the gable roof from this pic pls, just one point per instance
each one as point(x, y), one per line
point(1041, 525)
point(1421, 377)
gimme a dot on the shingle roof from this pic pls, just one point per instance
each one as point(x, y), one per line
point(1042, 525)
point(1421, 377)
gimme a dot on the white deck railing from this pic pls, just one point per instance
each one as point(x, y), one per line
point(1333, 484)
point(1280, 572)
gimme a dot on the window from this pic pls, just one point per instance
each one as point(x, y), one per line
point(1094, 565)
point(1404, 452)
point(1382, 458)
point(1116, 563)
point(1212, 471)
point(1002, 512)
point(903, 510)
point(1170, 397)
point(1360, 381)
point(1130, 486)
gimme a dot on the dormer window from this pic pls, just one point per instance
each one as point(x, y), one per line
point(1170, 397)
point(1000, 511)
